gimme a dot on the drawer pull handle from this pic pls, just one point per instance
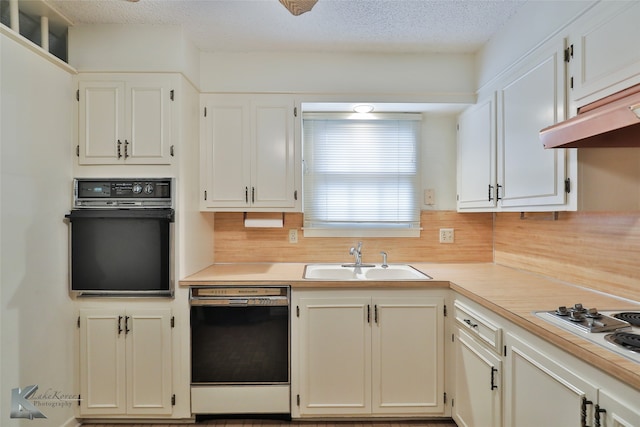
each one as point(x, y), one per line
point(468, 322)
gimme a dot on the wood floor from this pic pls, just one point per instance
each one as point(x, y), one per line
point(276, 423)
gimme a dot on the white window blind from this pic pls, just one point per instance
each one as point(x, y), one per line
point(361, 174)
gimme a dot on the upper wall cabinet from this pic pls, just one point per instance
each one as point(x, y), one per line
point(249, 153)
point(501, 163)
point(125, 119)
point(477, 156)
point(604, 58)
point(528, 175)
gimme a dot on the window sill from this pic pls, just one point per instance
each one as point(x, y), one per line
point(361, 232)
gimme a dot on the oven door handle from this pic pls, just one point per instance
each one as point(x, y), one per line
point(220, 303)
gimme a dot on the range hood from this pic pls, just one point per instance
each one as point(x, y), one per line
point(613, 121)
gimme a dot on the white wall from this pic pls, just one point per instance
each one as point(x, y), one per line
point(439, 158)
point(37, 314)
point(131, 48)
point(411, 77)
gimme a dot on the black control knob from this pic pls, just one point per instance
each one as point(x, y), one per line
point(137, 188)
point(148, 189)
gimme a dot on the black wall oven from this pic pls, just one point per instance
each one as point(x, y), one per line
point(240, 349)
point(121, 237)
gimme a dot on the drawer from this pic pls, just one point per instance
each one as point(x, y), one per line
point(479, 326)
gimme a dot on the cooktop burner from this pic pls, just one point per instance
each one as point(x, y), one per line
point(618, 331)
point(587, 319)
point(632, 317)
point(625, 339)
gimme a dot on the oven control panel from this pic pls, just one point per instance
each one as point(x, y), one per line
point(240, 296)
point(122, 192)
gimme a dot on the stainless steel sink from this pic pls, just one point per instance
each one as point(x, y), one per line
point(340, 272)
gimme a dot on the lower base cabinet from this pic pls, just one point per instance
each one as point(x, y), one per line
point(478, 385)
point(540, 391)
point(524, 381)
point(125, 362)
point(555, 389)
point(373, 353)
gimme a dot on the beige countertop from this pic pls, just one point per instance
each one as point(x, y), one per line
point(511, 293)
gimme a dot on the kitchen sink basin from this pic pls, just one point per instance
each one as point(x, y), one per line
point(344, 272)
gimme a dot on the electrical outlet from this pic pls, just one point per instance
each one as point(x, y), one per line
point(293, 235)
point(446, 235)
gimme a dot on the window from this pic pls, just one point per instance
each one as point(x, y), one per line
point(361, 174)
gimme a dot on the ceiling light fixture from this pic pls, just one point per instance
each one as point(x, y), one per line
point(298, 7)
point(363, 108)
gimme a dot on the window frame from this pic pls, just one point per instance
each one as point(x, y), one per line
point(409, 228)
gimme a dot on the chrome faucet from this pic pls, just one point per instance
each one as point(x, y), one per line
point(357, 253)
point(384, 260)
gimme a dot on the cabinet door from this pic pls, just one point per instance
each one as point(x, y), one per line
point(619, 412)
point(148, 120)
point(408, 355)
point(273, 152)
point(101, 131)
point(477, 157)
point(478, 385)
point(529, 174)
point(540, 391)
point(604, 58)
point(102, 362)
point(335, 356)
point(125, 120)
point(148, 351)
point(225, 152)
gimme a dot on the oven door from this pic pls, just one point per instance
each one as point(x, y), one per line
point(121, 252)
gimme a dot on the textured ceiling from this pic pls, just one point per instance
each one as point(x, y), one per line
point(402, 26)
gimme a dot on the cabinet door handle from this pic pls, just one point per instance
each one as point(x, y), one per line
point(468, 322)
point(126, 149)
point(119, 149)
point(498, 192)
point(119, 325)
point(375, 313)
point(368, 313)
point(490, 192)
point(493, 378)
point(599, 411)
point(253, 195)
point(126, 325)
point(246, 195)
point(583, 411)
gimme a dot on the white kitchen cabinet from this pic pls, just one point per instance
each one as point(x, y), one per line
point(530, 177)
point(477, 157)
point(249, 153)
point(617, 410)
point(542, 384)
point(603, 58)
point(478, 369)
point(368, 353)
point(125, 119)
point(478, 385)
point(125, 362)
point(502, 166)
point(542, 391)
